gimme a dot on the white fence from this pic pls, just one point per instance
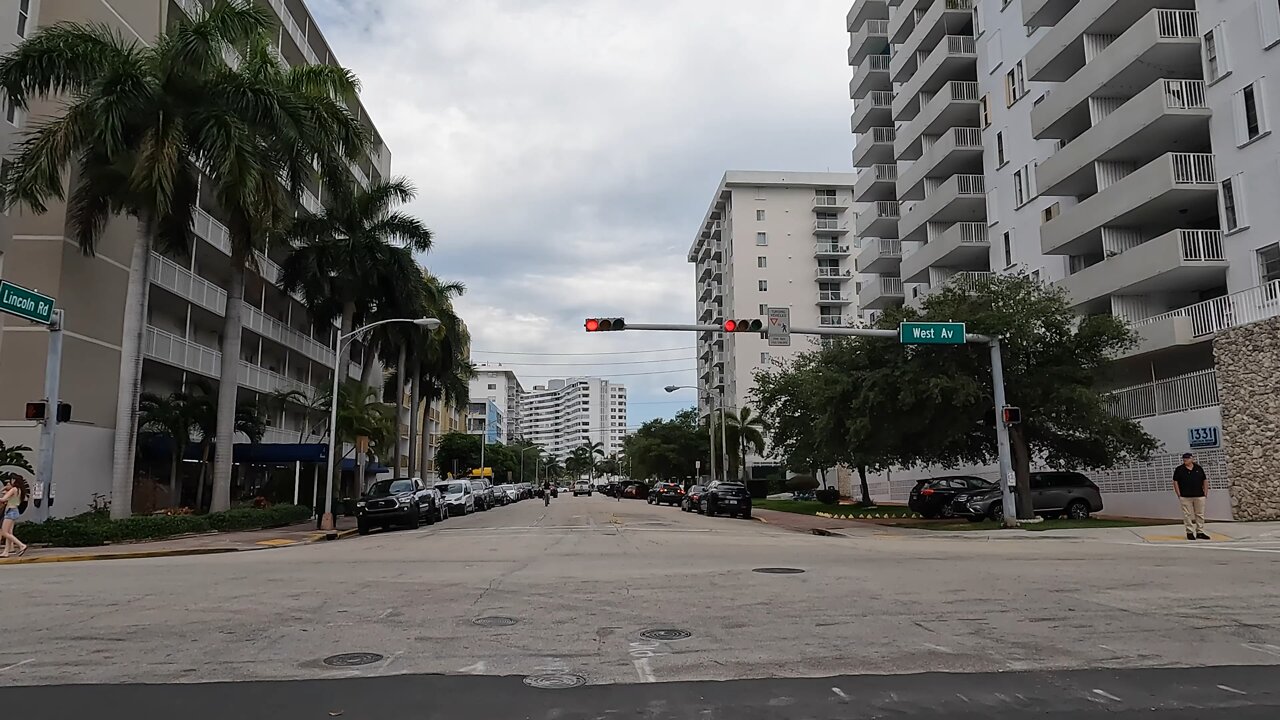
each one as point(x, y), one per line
point(1193, 169)
point(1241, 308)
point(1177, 394)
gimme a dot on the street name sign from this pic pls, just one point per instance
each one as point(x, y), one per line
point(779, 332)
point(931, 333)
point(26, 304)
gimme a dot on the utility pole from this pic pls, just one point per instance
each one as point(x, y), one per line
point(49, 430)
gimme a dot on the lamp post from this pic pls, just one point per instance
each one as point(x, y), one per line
point(326, 522)
point(711, 431)
point(535, 470)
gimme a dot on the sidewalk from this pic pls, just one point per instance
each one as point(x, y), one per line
point(203, 544)
point(823, 526)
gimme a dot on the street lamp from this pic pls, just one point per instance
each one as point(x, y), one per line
point(711, 432)
point(535, 471)
point(326, 521)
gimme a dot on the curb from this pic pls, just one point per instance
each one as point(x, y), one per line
point(119, 555)
point(330, 535)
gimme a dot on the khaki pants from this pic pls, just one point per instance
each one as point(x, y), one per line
point(1192, 513)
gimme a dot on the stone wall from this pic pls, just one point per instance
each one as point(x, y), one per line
point(1248, 361)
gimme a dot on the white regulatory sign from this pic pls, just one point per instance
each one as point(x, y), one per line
point(779, 331)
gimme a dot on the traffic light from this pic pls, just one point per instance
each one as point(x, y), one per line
point(38, 411)
point(605, 324)
point(754, 326)
point(1012, 415)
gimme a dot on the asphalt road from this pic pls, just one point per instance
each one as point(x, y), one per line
point(563, 594)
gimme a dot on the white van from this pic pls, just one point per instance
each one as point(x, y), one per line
point(582, 487)
point(459, 496)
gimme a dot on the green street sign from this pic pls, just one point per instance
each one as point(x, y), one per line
point(26, 304)
point(926, 333)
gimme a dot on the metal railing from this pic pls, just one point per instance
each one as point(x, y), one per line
point(963, 89)
point(959, 4)
point(295, 31)
point(888, 209)
point(834, 272)
point(890, 285)
point(880, 98)
point(971, 184)
point(961, 45)
point(883, 134)
point(829, 224)
point(826, 201)
point(831, 321)
point(966, 137)
point(167, 347)
point(1172, 395)
point(877, 27)
point(173, 277)
point(973, 233)
point(1184, 94)
point(970, 280)
point(1193, 169)
point(885, 171)
point(830, 296)
point(888, 247)
point(878, 62)
point(1177, 23)
point(1202, 245)
point(831, 249)
point(269, 327)
point(1213, 316)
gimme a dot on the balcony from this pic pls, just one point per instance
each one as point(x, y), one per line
point(878, 182)
point(827, 203)
point(830, 226)
point(1176, 262)
point(827, 297)
point(1174, 189)
point(879, 255)
point(1169, 114)
point(872, 38)
point(871, 74)
point(864, 10)
point(705, 294)
point(878, 220)
point(954, 59)
point(1200, 322)
point(1045, 13)
point(960, 198)
point(295, 31)
point(874, 148)
point(957, 104)
point(958, 150)
point(833, 321)
point(704, 272)
point(831, 250)
point(833, 274)
point(170, 349)
point(938, 19)
point(716, 250)
point(880, 292)
point(1061, 52)
point(874, 110)
point(963, 246)
point(1164, 397)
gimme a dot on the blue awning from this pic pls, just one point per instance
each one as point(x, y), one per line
point(152, 446)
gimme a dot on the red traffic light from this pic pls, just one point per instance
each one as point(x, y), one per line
point(743, 325)
point(605, 324)
point(730, 325)
point(35, 411)
point(1011, 415)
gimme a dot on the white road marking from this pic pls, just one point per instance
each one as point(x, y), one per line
point(1232, 690)
point(841, 693)
point(940, 648)
point(962, 697)
point(1107, 695)
point(17, 664)
point(476, 669)
point(1263, 648)
point(643, 670)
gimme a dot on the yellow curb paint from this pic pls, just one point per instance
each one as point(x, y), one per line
point(1182, 538)
point(278, 542)
point(115, 556)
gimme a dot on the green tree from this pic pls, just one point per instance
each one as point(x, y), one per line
point(744, 433)
point(458, 454)
point(133, 119)
point(14, 456)
point(667, 449)
point(250, 422)
point(362, 414)
point(172, 416)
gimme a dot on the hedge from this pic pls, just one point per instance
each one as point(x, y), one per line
point(96, 528)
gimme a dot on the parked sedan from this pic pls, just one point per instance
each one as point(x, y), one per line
point(727, 497)
point(459, 497)
point(484, 493)
point(666, 493)
point(692, 501)
point(933, 497)
point(395, 502)
point(511, 492)
point(1053, 494)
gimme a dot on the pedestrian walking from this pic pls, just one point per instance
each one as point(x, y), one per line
point(1192, 487)
point(10, 499)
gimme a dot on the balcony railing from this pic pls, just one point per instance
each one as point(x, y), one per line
point(887, 209)
point(885, 171)
point(877, 27)
point(1202, 245)
point(973, 233)
point(890, 285)
point(1193, 169)
point(827, 201)
point(832, 249)
point(884, 246)
point(829, 296)
point(971, 280)
point(971, 184)
point(830, 224)
point(883, 134)
point(1184, 94)
point(1213, 316)
point(878, 62)
point(180, 281)
point(879, 98)
point(1173, 395)
point(961, 44)
point(1177, 23)
point(831, 321)
point(834, 272)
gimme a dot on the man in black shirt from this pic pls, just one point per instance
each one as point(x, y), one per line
point(1191, 487)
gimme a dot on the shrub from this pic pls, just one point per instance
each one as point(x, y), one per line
point(96, 528)
point(830, 496)
point(802, 483)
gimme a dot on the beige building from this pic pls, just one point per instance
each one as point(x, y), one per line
point(281, 347)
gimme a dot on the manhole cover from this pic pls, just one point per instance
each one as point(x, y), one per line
point(666, 634)
point(778, 571)
point(495, 621)
point(557, 681)
point(352, 659)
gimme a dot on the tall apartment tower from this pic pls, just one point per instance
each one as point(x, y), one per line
point(500, 385)
point(770, 239)
point(563, 415)
point(282, 349)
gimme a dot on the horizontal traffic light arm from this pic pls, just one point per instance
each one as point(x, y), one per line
point(826, 332)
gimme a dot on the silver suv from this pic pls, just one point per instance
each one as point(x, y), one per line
point(1053, 494)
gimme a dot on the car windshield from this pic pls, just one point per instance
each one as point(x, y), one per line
point(390, 487)
point(450, 488)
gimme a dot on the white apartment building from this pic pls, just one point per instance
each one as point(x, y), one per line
point(771, 239)
point(282, 348)
point(565, 414)
point(500, 385)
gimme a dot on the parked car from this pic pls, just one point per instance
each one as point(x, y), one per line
point(634, 491)
point(1053, 494)
point(612, 489)
point(726, 497)
point(582, 487)
point(932, 497)
point(666, 493)
point(526, 490)
point(510, 492)
point(459, 497)
point(692, 500)
point(483, 490)
point(402, 502)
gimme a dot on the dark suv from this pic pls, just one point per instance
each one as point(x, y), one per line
point(933, 497)
point(668, 493)
point(1053, 494)
point(727, 497)
point(396, 502)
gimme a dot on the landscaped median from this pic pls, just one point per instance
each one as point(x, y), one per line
point(835, 512)
point(97, 528)
point(901, 516)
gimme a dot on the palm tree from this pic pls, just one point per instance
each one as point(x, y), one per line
point(275, 125)
point(204, 416)
point(745, 433)
point(133, 118)
point(438, 361)
point(169, 415)
point(551, 467)
point(14, 456)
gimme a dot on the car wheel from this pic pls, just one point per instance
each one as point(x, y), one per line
point(1078, 510)
point(362, 527)
point(996, 512)
point(706, 508)
point(947, 512)
point(417, 520)
point(746, 515)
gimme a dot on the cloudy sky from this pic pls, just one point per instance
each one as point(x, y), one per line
point(565, 152)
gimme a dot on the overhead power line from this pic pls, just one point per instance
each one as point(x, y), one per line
point(609, 375)
point(580, 354)
point(521, 363)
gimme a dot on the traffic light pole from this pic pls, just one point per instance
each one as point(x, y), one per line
point(997, 379)
point(49, 431)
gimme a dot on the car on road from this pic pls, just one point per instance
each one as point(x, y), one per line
point(582, 487)
point(932, 497)
point(730, 498)
point(635, 491)
point(404, 502)
point(510, 492)
point(692, 500)
point(1053, 494)
point(483, 491)
point(459, 496)
point(666, 493)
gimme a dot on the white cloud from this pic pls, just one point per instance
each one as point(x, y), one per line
point(565, 150)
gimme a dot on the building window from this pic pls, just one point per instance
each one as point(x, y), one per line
point(762, 238)
point(764, 309)
point(765, 358)
point(762, 262)
point(764, 285)
point(1015, 84)
point(1008, 248)
point(1215, 57)
point(1020, 188)
point(1251, 121)
point(1269, 264)
point(493, 386)
point(1232, 207)
point(760, 215)
point(984, 106)
point(24, 12)
point(1000, 157)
